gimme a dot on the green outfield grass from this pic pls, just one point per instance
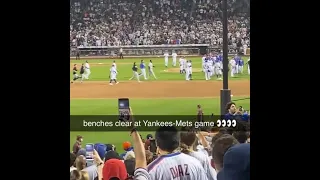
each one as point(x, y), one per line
point(176, 106)
point(100, 72)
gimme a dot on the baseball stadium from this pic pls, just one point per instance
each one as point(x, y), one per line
point(122, 40)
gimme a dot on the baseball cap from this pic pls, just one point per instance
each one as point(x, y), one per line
point(236, 163)
point(82, 152)
point(126, 145)
point(101, 149)
point(112, 155)
point(129, 155)
point(109, 147)
point(114, 168)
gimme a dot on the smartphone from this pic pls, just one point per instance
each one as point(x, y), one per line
point(124, 111)
point(153, 146)
point(89, 151)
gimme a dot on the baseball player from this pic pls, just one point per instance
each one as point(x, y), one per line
point(210, 65)
point(143, 70)
point(170, 164)
point(82, 73)
point(213, 58)
point(184, 64)
point(206, 70)
point(114, 64)
point(151, 66)
point(241, 64)
point(217, 68)
point(74, 72)
point(174, 59)
point(248, 65)
point(232, 63)
point(113, 75)
point(188, 70)
point(189, 65)
point(203, 61)
point(166, 58)
point(220, 58)
point(135, 72)
point(237, 58)
point(181, 65)
point(87, 70)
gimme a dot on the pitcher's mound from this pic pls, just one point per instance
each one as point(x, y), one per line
point(178, 70)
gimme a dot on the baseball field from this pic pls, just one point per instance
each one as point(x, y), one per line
point(170, 94)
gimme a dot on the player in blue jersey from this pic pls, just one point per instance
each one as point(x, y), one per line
point(237, 59)
point(241, 64)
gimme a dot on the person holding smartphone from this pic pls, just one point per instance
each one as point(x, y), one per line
point(140, 172)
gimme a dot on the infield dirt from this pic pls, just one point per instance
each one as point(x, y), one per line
point(156, 89)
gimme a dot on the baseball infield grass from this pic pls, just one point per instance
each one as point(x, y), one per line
point(100, 69)
point(176, 106)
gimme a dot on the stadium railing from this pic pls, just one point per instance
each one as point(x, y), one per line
point(148, 50)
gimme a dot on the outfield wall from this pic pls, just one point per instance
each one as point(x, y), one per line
point(133, 51)
point(117, 57)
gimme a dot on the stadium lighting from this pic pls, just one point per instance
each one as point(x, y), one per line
point(225, 92)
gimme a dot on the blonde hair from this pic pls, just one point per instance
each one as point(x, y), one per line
point(130, 155)
point(80, 162)
point(79, 175)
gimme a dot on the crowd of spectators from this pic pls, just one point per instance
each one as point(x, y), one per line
point(190, 154)
point(154, 22)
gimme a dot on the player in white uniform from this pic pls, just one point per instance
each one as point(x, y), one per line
point(114, 64)
point(210, 63)
point(217, 69)
point(213, 58)
point(187, 142)
point(151, 66)
point(207, 70)
point(87, 71)
point(166, 58)
point(232, 67)
point(172, 165)
point(188, 70)
point(181, 65)
point(174, 59)
point(113, 75)
point(203, 61)
point(248, 66)
point(184, 64)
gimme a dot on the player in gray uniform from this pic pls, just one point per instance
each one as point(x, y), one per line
point(171, 164)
